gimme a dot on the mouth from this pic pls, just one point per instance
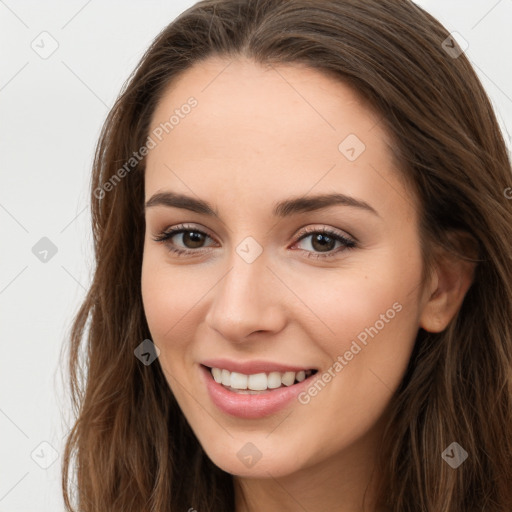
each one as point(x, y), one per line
point(253, 396)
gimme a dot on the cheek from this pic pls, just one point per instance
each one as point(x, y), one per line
point(159, 301)
point(168, 297)
point(169, 294)
point(352, 305)
point(372, 328)
point(366, 323)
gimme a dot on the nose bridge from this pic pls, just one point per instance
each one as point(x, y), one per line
point(246, 299)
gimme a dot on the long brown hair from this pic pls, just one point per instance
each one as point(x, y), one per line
point(131, 448)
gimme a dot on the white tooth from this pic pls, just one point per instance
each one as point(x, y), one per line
point(226, 378)
point(288, 378)
point(238, 380)
point(217, 374)
point(257, 382)
point(300, 376)
point(274, 380)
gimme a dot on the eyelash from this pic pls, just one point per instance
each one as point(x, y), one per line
point(348, 244)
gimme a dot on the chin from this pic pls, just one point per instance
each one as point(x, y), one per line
point(254, 459)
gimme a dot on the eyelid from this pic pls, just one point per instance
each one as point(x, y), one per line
point(347, 240)
point(302, 232)
point(172, 231)
point(327, 229)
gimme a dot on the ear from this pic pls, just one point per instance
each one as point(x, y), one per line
point(451, 280)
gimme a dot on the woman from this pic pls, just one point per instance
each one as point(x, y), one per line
point(302, 298)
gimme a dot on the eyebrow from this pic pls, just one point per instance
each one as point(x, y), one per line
point(283, 208)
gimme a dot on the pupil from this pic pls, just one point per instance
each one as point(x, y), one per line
point(318, 238)
point(196, 238)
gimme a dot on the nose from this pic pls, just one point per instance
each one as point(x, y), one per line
point(248, 299)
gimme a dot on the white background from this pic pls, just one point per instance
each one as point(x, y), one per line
point(51, 112)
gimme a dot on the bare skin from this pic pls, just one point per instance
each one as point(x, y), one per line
point(260, 135)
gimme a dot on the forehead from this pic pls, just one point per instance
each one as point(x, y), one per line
point(259, 127)
point(248, 94)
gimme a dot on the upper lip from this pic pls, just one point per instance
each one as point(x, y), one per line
point(254, 366)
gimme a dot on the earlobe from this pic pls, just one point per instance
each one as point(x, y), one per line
point(453, 278)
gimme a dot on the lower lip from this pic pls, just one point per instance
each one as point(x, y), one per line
point(251, 406)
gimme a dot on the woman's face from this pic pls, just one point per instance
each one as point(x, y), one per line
point(268, 284)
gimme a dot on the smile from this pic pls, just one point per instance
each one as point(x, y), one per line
point(257, 382)
point(253, 396)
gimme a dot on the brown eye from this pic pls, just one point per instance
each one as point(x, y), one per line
point(322, 243)
point(192, 239)
point(183, 240)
